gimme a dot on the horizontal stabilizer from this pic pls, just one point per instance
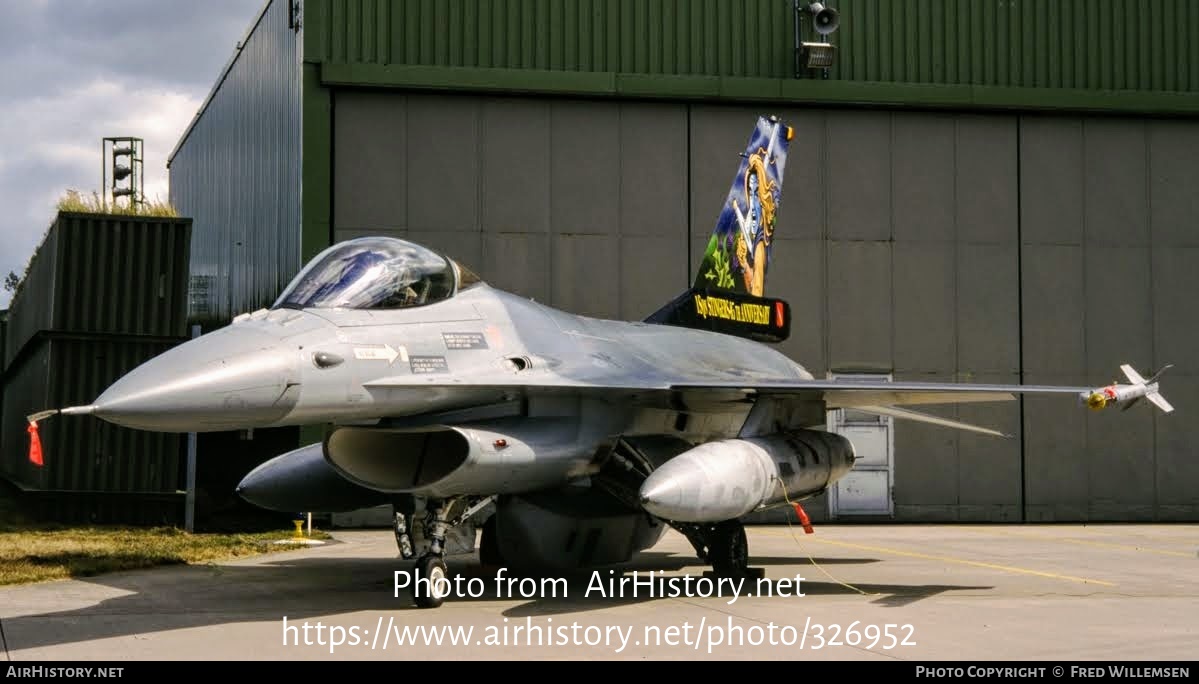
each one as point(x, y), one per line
point(857, 399)
point(905, 414)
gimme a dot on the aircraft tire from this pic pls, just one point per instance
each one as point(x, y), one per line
point(729, 549)
point(489, 545)
point(431, 594)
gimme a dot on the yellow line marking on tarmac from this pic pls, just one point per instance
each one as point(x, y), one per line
point(963, 561)
point(1086, 542)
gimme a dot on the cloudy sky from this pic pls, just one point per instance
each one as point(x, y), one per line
point(75, 71)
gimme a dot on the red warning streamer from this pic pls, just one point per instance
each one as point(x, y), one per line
point(803, 518)
point(35, 445)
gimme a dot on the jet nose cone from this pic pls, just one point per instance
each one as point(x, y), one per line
point(231, 379)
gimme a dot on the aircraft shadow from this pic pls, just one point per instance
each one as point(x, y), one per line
point(181, 597)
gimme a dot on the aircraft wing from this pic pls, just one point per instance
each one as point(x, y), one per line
point(835, 393)
point(885, 398)
point(860, 393)
point(869, 396)
point(510, 384)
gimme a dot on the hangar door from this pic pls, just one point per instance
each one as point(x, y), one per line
point(865, 490)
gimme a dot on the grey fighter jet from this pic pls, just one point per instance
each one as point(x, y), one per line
point(574, 441)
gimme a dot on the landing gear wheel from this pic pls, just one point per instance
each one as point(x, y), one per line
point(432, 581)
point(489, 545)
point(728, 550)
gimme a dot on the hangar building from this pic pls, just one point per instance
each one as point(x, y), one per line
point(999, 190)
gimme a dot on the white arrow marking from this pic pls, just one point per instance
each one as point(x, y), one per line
point(386, 353)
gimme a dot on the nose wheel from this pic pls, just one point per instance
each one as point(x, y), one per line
point(432, 581)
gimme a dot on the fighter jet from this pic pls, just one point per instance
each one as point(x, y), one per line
point(574, 442)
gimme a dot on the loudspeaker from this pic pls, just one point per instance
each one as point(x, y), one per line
point(824, 19)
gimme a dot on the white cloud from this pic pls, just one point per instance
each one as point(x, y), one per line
point(59, 140)
point(60, 95)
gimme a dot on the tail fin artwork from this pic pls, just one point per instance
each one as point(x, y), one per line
point(738, 254)
point(728, 294)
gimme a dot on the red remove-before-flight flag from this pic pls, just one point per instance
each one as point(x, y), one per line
point(35, 446)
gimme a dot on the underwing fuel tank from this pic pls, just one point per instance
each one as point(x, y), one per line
point(727, 479)
point(302, 480)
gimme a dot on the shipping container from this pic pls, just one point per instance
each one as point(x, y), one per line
point(83, 454)
point(3, 366)
point(105, 508)
point(3, 340)
point(104, 274)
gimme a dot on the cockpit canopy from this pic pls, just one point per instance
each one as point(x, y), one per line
point(375, 273)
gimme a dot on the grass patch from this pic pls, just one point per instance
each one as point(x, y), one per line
point(35, 555)
point(75, 202)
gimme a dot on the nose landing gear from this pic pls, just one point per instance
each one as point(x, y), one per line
point(431, 585)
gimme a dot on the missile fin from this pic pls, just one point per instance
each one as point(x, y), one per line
point(1133, 376)
point(1160, 402)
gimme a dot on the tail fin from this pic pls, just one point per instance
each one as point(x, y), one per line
point(728, 295)
point(738, 254)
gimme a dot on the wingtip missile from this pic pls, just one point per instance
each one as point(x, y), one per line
point(1128, 395)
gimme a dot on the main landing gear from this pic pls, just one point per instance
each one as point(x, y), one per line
point(722, 544)
point(431, 584)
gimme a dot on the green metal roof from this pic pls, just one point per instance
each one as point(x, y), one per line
point(1098, 55)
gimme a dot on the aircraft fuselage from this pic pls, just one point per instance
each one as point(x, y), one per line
point(294, 367)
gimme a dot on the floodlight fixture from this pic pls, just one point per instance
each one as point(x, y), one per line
point(817, 55)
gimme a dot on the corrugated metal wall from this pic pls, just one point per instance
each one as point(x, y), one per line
point(750, 38)
point(236, 172)
point(124, 275)
point(1086, 44)
point(1143, 45)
